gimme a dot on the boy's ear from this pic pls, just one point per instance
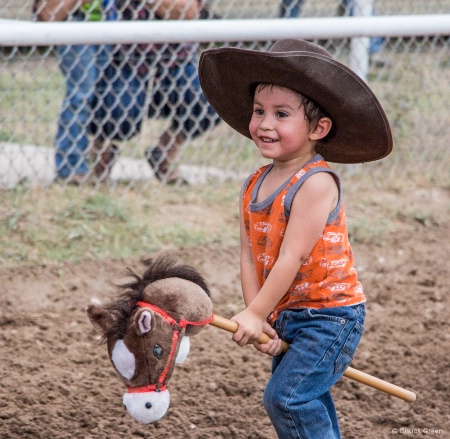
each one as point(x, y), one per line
point(322, 128)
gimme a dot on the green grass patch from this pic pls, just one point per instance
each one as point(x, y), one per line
point(31, 92)
point(70, 224)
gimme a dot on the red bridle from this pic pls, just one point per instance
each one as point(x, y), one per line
point(177, 325)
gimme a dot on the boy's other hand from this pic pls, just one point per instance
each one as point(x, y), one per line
point(273, 347)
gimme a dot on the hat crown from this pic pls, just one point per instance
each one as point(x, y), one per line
point(297, 45)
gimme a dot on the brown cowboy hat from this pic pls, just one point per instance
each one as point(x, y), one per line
point(361, 130)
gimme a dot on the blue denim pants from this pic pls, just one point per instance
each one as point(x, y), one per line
point(176, 94)
point(322, 343)
point(81, 67)
point(291, 8)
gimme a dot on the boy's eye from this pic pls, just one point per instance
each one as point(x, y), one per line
point(282, 114)
point(258, 111)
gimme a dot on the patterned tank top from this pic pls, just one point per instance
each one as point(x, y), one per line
point(327, 277)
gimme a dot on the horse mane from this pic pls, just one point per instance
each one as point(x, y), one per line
point(163, 267)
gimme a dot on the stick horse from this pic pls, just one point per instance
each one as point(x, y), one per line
point(147, 332)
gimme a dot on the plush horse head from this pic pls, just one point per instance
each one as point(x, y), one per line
point(147, 331)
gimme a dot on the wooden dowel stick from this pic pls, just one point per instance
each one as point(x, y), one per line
point(354, 374)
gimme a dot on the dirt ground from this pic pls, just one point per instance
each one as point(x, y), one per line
point(56, 380)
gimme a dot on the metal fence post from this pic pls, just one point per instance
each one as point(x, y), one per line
point(359, 58)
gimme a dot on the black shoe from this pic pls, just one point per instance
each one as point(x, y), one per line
point(71, 180)
point(105, 161)
point(161, 168)
point(375, 60)
point(155, 158)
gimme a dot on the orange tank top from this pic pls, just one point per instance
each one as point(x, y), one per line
point(327, 277)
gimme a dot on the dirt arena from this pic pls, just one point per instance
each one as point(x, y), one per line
point(56, 381)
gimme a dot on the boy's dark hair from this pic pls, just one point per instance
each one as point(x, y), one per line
point(313, 111)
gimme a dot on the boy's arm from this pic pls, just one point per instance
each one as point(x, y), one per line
point(250, 289)
point(57, 10)
point(249, 280)
point(310, 209)
point(177, 9)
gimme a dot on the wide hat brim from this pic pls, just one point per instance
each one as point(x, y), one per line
point(228, 77)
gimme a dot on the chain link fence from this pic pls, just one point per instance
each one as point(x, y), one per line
point(135, 114)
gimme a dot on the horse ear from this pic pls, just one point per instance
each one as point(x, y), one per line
point(101, 319)
point(144, 320)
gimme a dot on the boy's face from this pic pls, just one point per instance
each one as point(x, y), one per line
point(278, 125)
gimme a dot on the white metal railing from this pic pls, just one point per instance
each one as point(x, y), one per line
point(25, 33)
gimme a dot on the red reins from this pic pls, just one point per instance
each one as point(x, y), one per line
point(177, 325)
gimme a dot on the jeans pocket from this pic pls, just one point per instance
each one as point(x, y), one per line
point(280, 323)
point(345, 357)
point(339, 315)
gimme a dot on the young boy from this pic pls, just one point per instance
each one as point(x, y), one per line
point(300, 107)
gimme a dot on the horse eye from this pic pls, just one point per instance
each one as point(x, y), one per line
point(157, 351)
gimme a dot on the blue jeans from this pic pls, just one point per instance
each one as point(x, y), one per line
point(120, 103)
point(81, 67)
point(176, 94)
point(291, 8)
point(322, 342)
point(191, 113)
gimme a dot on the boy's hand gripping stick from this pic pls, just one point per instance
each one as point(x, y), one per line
point(362, 377)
